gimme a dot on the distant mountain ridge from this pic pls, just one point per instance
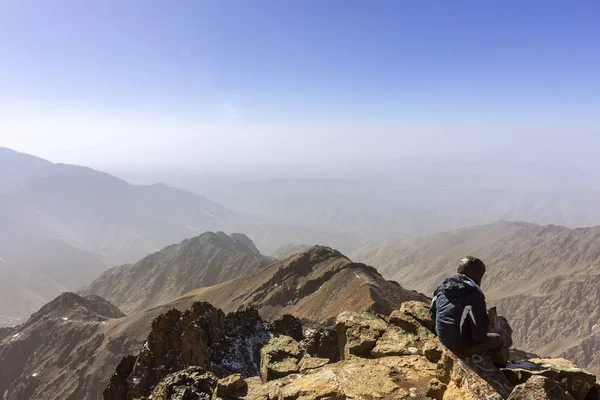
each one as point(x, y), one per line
point(314, 285)
point(289, 249)
point(163, 276)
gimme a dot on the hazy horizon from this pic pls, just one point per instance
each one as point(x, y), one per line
point(268, 85)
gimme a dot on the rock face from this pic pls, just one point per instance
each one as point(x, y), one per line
point(358, 333)
point(539, 388)
point(288, 325)
point(472, 378)
point(203, 336)
point(322, 343)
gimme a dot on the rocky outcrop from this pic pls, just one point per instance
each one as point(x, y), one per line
point(192, 383)
point(322, 343)
point(358, 333)
point(539, 388)
point(576, 381)
point(279, 358)
point(231, 386)
point(288, 325)
point(472, 378)
point(203, 336)
point(383, 357)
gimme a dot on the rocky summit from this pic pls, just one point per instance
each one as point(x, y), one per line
point(203, 353)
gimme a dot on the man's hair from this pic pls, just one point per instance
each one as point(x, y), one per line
point(472, 267)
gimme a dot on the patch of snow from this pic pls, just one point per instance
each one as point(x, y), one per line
point(355, 274)
point(595, 326)
point(16, 335)
point(34, 374)
point(65, 319)
point(103, 322)
point(5, 394)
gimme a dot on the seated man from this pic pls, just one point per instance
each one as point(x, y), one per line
point(460, 315)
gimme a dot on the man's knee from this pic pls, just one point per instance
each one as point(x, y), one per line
point(493, 341)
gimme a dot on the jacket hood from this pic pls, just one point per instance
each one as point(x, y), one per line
point(458, 285)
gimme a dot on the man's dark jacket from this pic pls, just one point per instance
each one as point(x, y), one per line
point(459, 312)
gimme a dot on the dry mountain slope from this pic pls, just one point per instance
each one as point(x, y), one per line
point(204, 260)
point(35, 269)
point(315, 285)
point(98, 212)
point(545, 279)
point(73, 360)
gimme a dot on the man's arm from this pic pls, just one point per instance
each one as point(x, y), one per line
point(479, 328)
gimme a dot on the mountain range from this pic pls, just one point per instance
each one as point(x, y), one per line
point(74, 341)
point(62, 225)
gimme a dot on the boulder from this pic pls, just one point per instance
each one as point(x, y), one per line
point(279, 358)
point(192, 383)
point(358, 333)
point(395, 342)
point(408, 335)
point(231, 386)
point(576, 381)
point(419, 311)
point(539, 388)
point(472, 378)
point(322, 343)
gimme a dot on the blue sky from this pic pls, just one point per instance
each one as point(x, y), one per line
point(83, 80)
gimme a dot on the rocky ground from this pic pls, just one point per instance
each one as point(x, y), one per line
point(205, 354)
